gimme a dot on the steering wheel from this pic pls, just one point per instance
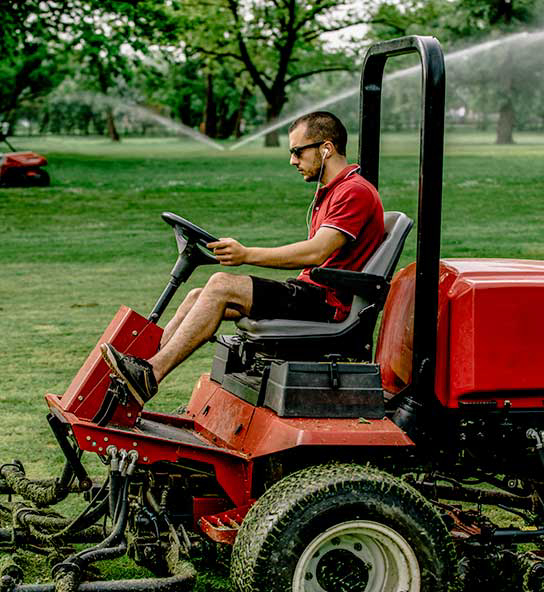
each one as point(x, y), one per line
point(193, 232)
point(187, 232)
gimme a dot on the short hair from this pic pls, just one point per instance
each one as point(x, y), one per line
point(322, 125)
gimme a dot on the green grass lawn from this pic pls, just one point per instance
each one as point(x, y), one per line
point(73, 252)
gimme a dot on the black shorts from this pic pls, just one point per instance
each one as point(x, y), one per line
point(293, 299)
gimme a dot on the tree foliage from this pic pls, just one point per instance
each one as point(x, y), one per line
point(32, 54)
point(276, 42)
point(218, 64)
point(502, 81)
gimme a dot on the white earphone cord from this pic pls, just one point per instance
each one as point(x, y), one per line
point(310, 207)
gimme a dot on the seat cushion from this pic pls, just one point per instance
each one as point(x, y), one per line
point(287, 328)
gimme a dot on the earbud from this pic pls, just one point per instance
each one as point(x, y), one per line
point(325, 152)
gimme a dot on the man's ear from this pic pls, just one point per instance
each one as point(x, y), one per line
point(326, 150)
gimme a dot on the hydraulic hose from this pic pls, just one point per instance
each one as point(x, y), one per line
point(67, 573)
point(46, 527)
point(121, 517)
point(111, 543)
point(41, 492)
point(106, 553)
point(115, 479)
point(182, 582)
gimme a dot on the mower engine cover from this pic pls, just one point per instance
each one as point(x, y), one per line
point(23, 168)
point(490, 328)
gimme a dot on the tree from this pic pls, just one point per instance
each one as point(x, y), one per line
point(457, 20)
point(277, 42)
point(32, 58)
point(108, 38)
point(95, 40)
point(505, 16)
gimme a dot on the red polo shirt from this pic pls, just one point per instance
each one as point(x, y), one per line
point(352, 205)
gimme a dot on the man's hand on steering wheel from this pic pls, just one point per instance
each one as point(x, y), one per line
point(229, 251)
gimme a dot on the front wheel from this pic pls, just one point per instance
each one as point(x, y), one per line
point(340, 528)
point(358, 555)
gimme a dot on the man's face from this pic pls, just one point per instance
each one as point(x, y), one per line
point(308, 163)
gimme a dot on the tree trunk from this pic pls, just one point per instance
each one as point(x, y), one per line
point(273, 110)
point(505, 124)
point(240, 124)
point(210, 115)
point(272, 139)
point(103, 82)
point(112, 130)
point(184, 110)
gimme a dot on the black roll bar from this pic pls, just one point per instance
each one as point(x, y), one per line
point(431, 157)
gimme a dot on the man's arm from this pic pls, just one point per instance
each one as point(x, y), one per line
point(294, 256)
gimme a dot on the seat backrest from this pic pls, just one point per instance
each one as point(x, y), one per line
point(385, 258)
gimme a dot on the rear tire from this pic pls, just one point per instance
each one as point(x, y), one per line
point(41, 178)
point(340, 528)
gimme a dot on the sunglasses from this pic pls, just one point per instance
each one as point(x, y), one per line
point(298, 150)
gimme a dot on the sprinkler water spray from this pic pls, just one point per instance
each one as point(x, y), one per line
point(146, 114)
point(354, 90)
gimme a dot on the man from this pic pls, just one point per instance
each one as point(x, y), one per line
point(346, 227)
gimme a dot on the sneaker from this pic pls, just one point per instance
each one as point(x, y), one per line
point(136, 372)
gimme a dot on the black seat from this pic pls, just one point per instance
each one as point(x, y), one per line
point(352, 336)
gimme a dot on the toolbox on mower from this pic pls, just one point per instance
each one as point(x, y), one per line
point(300, 389)
point(325, 389)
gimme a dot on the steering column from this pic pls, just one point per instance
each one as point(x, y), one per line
point(192, 243)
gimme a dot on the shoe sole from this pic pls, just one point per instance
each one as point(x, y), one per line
point(110, 360)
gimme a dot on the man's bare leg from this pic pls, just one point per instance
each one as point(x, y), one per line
point(182, 311)
point(224, 295)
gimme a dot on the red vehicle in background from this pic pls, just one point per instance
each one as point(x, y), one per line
point(22, 169)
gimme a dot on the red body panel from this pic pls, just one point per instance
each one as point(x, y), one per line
point(232, 470)
point(20, 160)
point(490, 332)
point(258, 431)
point(128, 332)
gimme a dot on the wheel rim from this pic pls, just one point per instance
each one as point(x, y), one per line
point(357, 556)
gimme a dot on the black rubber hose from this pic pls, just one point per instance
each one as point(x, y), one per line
point(60, 526)
point(104, 554)
point(54, 524)
point(67, 573)
point(115, 480)
point(42, 493)
point(182, 582)
point(115, 535)
point(89, 516)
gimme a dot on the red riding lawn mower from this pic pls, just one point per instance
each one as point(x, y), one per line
point(325, 469)
point(22, 169)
